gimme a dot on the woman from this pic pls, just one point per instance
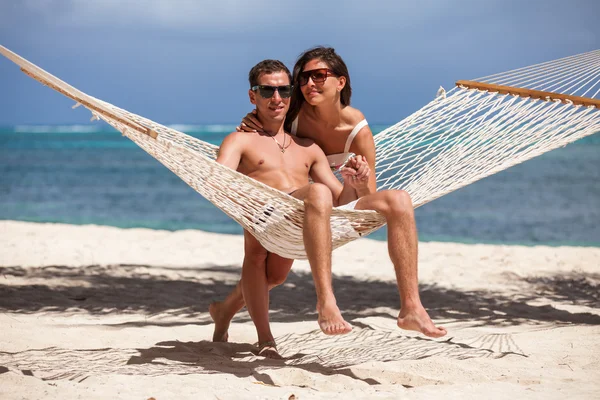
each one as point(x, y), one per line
point(320, 110)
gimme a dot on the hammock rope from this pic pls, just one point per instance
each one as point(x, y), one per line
point(475, 130)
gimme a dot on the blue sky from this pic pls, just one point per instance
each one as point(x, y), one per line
point(183, 61)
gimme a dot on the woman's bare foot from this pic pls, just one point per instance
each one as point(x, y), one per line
point(418, 320)
point(221, 323)
point(331, 321)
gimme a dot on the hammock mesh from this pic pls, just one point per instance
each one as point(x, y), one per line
point(458, 138)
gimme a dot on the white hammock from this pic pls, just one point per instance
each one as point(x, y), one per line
point(473, 131)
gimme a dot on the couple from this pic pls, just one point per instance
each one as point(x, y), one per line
point(299, 131)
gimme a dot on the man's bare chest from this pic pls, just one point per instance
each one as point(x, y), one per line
point(265, 157)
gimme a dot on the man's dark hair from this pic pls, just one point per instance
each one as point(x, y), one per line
point(267, 67)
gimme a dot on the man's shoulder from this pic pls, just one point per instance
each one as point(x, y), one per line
point(309, 146)
point(302, 140)
point(239, 137)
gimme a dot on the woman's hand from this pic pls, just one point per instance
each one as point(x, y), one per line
point(250, 123)
point(360, 164)
point(356, 173)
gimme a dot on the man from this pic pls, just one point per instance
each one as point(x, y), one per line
point(285, 162)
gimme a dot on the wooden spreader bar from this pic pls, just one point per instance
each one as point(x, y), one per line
point(534, 94)
point(87, 104)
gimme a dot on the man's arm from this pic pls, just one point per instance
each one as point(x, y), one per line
point(321, 172)
point(230, 151)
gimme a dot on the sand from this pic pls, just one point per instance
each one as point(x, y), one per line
point(91, 312)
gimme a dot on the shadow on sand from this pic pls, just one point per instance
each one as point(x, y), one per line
point(322, 355)
point(180, 296)
point(185, 293)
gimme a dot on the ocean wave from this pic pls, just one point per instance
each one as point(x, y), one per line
point(215, 128)
point(58, 128)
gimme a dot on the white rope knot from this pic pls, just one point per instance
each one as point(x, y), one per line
point(441, 93)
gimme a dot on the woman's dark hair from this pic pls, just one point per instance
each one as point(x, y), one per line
point(334, 62)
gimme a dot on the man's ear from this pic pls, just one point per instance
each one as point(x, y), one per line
point(252, 96)
point(341, 83)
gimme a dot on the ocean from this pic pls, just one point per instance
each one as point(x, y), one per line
point(90, 174)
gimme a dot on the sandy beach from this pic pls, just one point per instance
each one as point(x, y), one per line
point(93, 312)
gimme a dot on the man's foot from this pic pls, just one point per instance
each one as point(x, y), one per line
point(221, 323)
point(268, 349)
point(331, 321)
point(418, 320)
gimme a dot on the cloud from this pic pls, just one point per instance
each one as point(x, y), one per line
point(173, 14)
point(197, 15)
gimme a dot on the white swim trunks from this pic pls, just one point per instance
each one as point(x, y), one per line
point(349, 206)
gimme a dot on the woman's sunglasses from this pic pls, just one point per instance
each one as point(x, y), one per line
point(317, 75)
point(266, 91)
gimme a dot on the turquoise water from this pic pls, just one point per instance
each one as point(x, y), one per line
point(92, 175)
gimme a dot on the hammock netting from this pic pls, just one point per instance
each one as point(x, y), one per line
point(478, 128)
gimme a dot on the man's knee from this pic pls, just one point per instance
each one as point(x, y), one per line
point(276, 279)
point(254, 253)
point(399, 202)
point(318, 198)
point(277, 270)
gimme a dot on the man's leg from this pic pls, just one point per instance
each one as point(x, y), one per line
point(396, 206)
point(276, 273)
point(318, 204)
point(256, 258)
point(317, 240)
point(222, 312)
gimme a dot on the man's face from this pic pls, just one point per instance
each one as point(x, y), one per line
point(274, 107)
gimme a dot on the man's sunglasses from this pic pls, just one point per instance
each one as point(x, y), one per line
point(317, 75)
point(267, 91)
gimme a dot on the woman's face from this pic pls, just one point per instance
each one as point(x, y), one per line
point(316, 93)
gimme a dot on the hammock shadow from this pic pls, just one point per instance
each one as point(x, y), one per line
point(180, 296)
point(311, 352)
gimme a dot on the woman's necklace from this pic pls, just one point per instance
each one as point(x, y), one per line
point(282, 148)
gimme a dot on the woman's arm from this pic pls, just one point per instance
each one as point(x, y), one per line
point(356, 180)
point(250, 123)
point(364, 145)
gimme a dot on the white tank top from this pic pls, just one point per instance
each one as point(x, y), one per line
point(337, 161)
